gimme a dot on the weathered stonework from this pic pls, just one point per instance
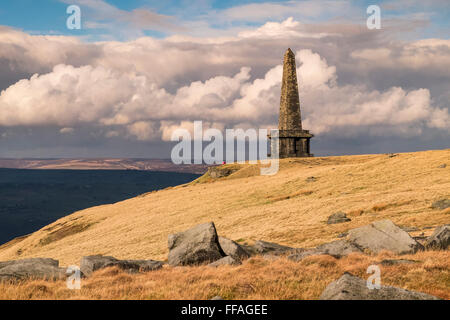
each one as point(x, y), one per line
point(294, 141)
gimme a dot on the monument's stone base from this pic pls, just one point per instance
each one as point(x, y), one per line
point(294, 143)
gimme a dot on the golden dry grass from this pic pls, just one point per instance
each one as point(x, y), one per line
point(257, 278)
point(287, 208)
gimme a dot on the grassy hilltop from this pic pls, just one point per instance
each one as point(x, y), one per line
point(290, 208)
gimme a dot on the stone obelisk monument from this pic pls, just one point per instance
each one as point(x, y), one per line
point(294, 141)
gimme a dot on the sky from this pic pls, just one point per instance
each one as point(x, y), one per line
point(137, 70)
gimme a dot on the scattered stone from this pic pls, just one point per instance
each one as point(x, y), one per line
point(35, 268)
point(338, 248)
point(217, 298)
point(441, 204)
point(311, 179)
point(89, 264)
point(195, 246)
point(338, 217)
point(349, 287)
point(225, 261)
point(383, 235)
point(264, 247)
point(231, 248)
point(442, 166)
point(391, 262)
point(440, 239)
point(342, 235)
point(220, 172)
point(392, 155)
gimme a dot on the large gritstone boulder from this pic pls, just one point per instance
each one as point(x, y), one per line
point(90, 264)
point(383, 235)
point(349, 287)
point(34, 268)
point(195, 246)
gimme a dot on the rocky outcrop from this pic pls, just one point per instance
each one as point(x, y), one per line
point(225, 261)
point(34, 268)
point(233, 249)
point(440, 239)
point(338, 217)
point(89, 264)
point(195, 246)
point(383, 235)
point(349, 287)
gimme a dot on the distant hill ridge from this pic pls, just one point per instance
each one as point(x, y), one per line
point(102, 164)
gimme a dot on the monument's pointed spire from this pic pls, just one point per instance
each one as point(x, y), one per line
point(290, 118)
